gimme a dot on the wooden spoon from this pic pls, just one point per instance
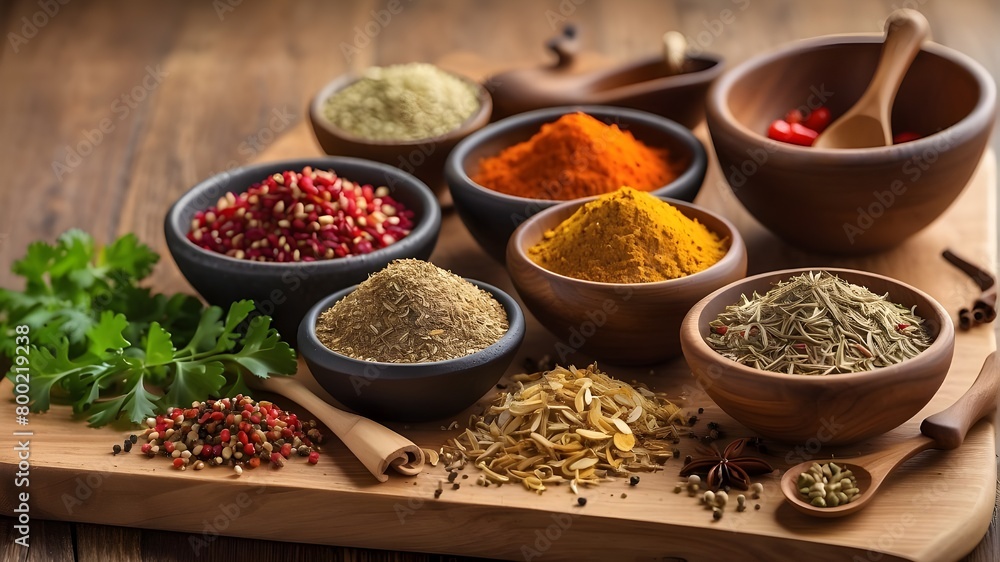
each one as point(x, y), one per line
point(944, 430)
point(376, 446)
point(869, 124)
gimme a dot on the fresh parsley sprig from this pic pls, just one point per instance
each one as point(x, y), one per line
point(109, 347)
point(69, 284)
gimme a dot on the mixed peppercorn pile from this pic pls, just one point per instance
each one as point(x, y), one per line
point(230, 431)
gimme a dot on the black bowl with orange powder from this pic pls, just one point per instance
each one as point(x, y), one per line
point(519, 166)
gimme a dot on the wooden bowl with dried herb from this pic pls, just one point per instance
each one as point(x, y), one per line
point(832, 356)
point(613, 276)
point(411, 343)
point(409, 115)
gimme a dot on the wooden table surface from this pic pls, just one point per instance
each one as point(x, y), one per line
point(110, 110)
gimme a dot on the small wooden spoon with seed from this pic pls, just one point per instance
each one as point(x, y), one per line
point(944, 430)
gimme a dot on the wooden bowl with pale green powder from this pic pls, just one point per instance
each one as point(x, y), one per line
point(409, 116)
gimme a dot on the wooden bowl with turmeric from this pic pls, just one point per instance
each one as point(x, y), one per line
point(510, 170)
point(604, 276)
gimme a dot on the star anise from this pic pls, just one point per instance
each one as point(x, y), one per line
point(727, 468)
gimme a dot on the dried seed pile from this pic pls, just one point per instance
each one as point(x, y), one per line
point(716, 501)
point(302, 216)
point(403, 102)
point(828, 485)
point(576, 425)
point(818, 324)
point(236, 432)
point(412, 312)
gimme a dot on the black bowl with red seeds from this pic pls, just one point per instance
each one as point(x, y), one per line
point(288, 233)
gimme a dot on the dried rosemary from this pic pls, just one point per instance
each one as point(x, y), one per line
point(412, 312)
point(818, 324)
point(567, 424)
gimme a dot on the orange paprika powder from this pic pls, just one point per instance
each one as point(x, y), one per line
point(573, 157)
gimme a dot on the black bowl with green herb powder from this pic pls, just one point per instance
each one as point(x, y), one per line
point(412, 343)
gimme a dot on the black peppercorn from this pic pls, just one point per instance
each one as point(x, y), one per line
point(581, 501)
point(128, 445)
point(116, 449)
point(633, 481)
point(133, 439)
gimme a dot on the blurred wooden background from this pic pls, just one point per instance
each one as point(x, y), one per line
point(110, 110)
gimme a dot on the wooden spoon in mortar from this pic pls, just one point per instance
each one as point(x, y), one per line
point(944, 430)
point(376, 446)
point(869, 123)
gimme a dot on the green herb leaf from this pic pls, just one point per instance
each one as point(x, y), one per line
point(207, 334)
point(106, 335)
point(129, 256)
point(264, 353)
point(139, 404)
point(238, 312)
point(159, 350)
point(195, 381)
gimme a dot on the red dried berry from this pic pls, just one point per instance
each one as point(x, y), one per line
point(301, 216)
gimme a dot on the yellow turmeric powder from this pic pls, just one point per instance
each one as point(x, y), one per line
point(573, 157)
point(628, 237)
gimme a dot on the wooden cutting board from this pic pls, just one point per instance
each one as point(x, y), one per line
point(937, 508)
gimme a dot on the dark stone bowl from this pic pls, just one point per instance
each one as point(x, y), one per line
point(285, 291)
point(410, 392)
point(492, 216)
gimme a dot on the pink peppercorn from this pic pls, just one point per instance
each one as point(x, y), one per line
point(313, 457)
point(221, 440)
point(302, 216)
